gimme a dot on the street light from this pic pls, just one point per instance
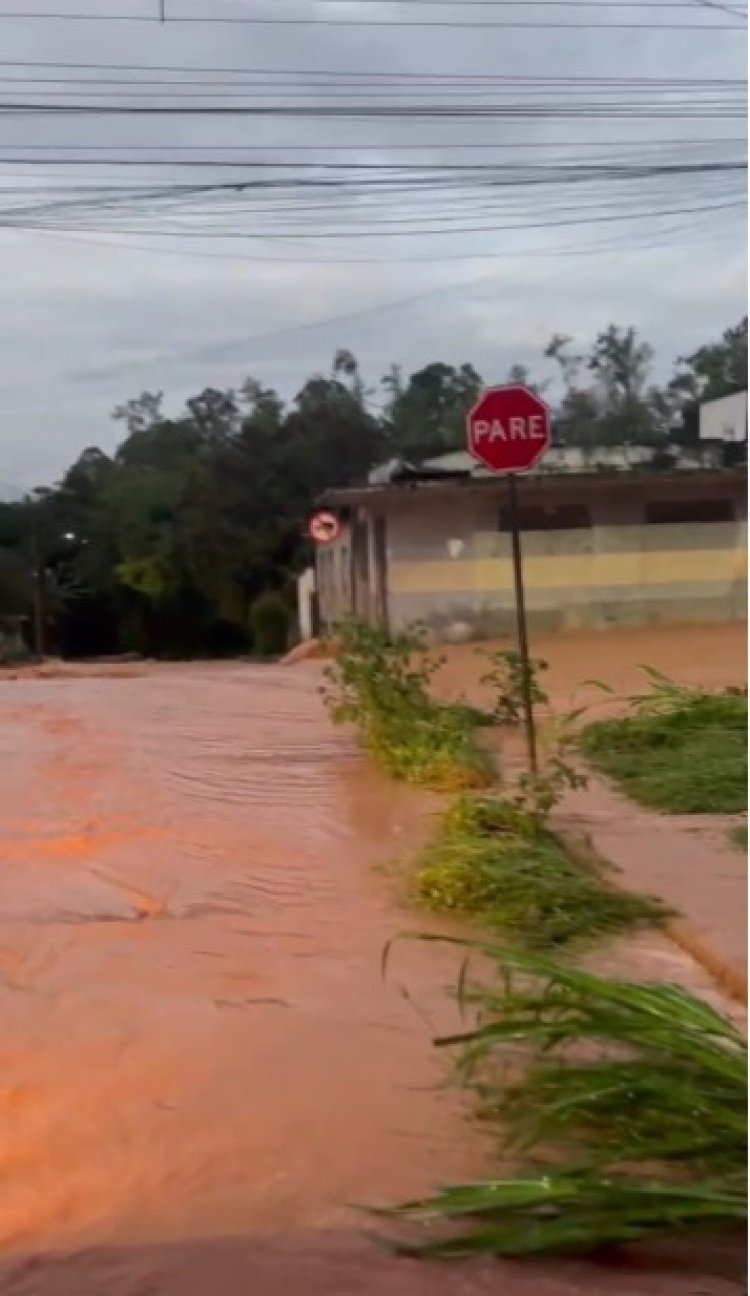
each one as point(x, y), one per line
point(39, 575)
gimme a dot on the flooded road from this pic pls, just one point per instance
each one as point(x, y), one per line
point(202, 1071)
point(700, 656)
point(196, 1034)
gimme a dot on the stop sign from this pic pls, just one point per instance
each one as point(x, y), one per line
point(509, 429)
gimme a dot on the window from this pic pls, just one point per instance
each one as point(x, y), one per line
point(689, 510)
point(549, 517)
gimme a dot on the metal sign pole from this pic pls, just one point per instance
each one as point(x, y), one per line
point(521, 628)
point(38, 622)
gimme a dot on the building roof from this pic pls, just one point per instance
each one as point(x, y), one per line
point(558, 459)
point(673, 481)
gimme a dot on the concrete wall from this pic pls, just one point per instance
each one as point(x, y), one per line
point(333, 577)
point(724, 419)
point(449, 565)
point(305, 603)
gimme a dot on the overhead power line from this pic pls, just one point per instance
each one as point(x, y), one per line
point(259, 21)
point(297, 72)
point(427, 80)
point(303, 193)
point(586, 250)
point(716, 5)
point(610, 169)
point(424, 146)
point(519, 227)
point(352, 112)
point(380, 103)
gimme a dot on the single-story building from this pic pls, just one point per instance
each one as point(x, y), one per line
point(724, 419)
point(601, 548)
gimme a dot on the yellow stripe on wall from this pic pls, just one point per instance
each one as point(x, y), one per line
point(663, 567)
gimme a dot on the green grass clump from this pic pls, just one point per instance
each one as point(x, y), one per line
point(627, 1121)
point(381, 684)
point(498, 862)
point(678, 750)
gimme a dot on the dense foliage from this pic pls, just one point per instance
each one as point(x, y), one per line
point(164, 546)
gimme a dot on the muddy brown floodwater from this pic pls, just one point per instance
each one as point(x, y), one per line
point(195, 1027)
point(202, 1070)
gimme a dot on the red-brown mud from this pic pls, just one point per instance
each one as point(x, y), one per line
point(196, 1033)
point(202, 1070)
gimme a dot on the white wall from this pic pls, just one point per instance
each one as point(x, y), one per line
point(305, 590)
point(724, 419)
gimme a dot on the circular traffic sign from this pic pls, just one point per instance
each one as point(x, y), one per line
point(324, 528)
point(509, 429)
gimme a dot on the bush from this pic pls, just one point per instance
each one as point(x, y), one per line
point(506, 680)
point(270, 620)
point(381, 684)
point(679, 750)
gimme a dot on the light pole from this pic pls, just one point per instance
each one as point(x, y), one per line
point(37, 565)
point(37, 593)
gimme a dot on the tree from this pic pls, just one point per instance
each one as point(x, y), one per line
point(715, 370)
point(141, 412)
point(578, 421)
point(622, 364)
point(345, 365)
point(558, 349)
point(617, 408)
point(215, 413)
point(520, 376)
point(166, 545)
point(427, 415)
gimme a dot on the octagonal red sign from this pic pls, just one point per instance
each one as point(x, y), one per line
point(509, 429)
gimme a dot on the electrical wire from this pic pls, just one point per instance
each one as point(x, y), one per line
point(388, 259)
point(338, 72)
point(358, 111)
point(259, 21)
point(364, 199)
point(283, 235)
point(647, 142)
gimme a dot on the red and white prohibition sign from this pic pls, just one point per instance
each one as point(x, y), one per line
point(324, 528)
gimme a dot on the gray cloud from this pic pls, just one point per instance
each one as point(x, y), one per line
point(88, 320)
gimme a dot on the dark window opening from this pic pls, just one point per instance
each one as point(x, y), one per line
point(689, 510)
point(548, 517)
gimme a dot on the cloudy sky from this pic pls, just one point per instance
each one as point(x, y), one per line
point(90, 318)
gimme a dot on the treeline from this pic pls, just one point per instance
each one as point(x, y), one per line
point(186, 541)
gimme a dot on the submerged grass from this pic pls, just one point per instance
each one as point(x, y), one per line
point(629, 1119)
point(497, 862)
point(678, 750)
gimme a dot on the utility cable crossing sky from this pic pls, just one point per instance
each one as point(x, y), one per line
point(367, 152)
